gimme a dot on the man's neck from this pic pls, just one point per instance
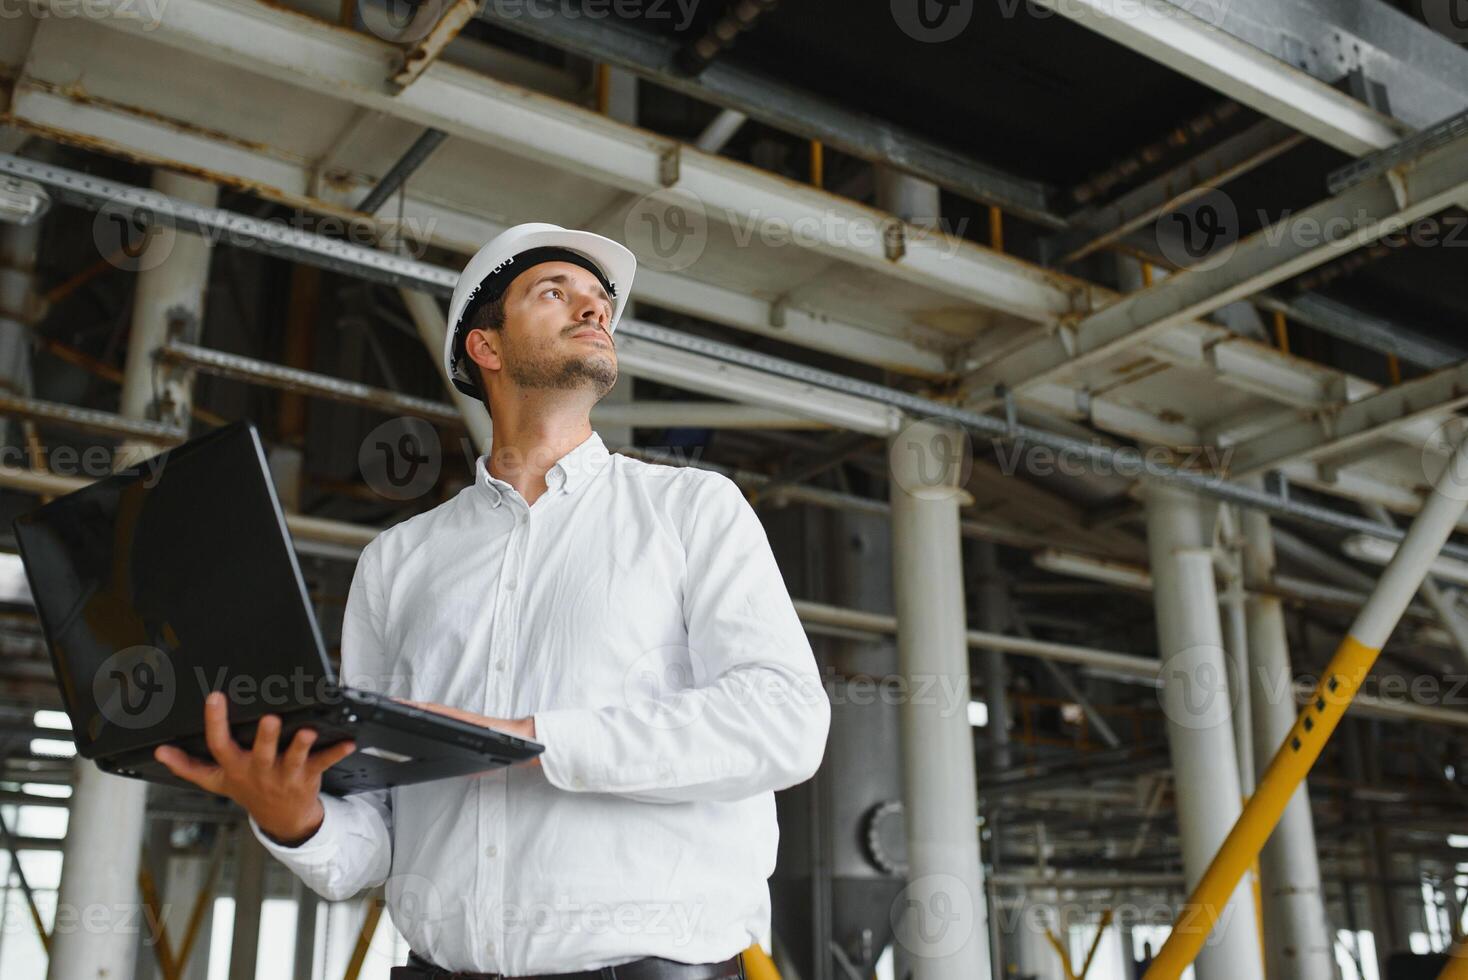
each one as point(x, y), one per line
point(528, 439)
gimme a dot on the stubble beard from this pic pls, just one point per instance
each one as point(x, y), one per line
point(543, 370)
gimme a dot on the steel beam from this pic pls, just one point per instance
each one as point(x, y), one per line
point(86, 191)
point(733, 87)
point(1344, 427)
point(349, 65)
point(1195, 46)
point(1359, 216)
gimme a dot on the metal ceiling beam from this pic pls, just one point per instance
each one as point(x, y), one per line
point(347, 65)
point(1359, 216)
point(1102, 225)
point(1204, 51)
point(1368, 330)
point(730, 86)
point(1347, 426)
point(814, 387)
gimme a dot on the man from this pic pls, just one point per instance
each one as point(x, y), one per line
point(628, 616)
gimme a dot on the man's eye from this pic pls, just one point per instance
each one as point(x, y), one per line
point(553, 290)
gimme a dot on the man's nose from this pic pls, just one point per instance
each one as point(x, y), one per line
point(591, 309)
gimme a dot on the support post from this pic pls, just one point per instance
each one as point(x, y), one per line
point(1198, 706)
point(100, 856)
point(948, 933)
point(1296, 936)
point(249, 897)
point(1321, 715)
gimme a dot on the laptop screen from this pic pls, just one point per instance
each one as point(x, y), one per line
point(168, 580)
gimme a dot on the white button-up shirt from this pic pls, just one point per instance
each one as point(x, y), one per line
point(636, 611)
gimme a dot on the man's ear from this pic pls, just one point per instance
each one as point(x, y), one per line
point(483, 347)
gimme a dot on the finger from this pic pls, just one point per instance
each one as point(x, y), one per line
point(184, 766)
point(300, 747)
point(267, 740)
point(222, 746)
point(326, 758)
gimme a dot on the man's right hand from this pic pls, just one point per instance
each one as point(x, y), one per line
point(281, 792)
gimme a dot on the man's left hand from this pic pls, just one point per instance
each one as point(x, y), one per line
point(519, 727)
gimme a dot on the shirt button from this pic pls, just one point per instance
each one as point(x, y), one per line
point(492, 851)
point(499, 665)
point(510, 585)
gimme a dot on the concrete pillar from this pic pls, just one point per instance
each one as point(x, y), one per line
point(18, 245)
point(100, 855)
point(307, 904)
point(249, 894)
point(993, 616)
point(1297, 938)
point(619, 101)
point(1197, 705)
point(946, 930)
point(908, 197)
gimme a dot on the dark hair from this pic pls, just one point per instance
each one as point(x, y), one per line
point(488, 316)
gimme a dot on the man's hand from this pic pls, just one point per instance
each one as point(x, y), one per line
point(280, 792)
point(519, 727)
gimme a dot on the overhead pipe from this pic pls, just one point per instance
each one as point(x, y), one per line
point(93, 192)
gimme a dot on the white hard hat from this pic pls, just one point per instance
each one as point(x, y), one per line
point(496, 262)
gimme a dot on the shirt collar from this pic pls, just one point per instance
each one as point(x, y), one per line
point(569, 473)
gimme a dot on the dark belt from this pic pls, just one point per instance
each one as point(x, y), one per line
point(650, 968)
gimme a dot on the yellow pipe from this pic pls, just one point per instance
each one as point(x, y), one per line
point(1457, 968)
point(817, 164)
point(1394, 368)
point(758, 965)
point(1281, 332)
point(1337, 686)
point(996, 229)
point(1095, 943)
point(1070, 973)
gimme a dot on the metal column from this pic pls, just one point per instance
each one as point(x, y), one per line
point(100, 856)
point(1296, 935)
point(947, 931)
point(17, 305)
point(993, 614)
point(1198, 706)
point(307, 904)
point(249, 895)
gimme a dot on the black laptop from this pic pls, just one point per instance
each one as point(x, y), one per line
point(176, 577)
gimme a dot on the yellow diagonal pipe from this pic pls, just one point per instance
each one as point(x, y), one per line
point(1339, 683)
point(758, 965)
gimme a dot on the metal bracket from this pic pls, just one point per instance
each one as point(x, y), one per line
point(894, 241)
point(670, 165)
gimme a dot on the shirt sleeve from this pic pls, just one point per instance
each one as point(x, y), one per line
point(352, 849)
point(754, 716)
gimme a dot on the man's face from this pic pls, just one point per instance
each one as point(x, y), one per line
point(555, 333)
